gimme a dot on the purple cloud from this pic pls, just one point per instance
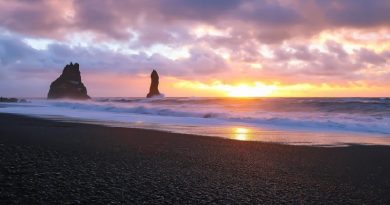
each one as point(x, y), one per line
point(17, 56)
point(356, 13)
point(272, 21)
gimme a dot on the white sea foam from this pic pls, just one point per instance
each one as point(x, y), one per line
point(367, 118)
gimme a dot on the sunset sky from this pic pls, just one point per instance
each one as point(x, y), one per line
point(199, 48)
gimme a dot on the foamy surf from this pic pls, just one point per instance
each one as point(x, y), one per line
point(298, 121)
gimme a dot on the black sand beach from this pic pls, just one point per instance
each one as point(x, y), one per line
point(47, 162)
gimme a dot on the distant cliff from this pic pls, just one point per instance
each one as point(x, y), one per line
point(68, 85)
point(8, 100)
point(153, 91)
point(13, 100)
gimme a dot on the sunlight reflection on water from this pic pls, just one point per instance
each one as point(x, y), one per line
point(240, 133)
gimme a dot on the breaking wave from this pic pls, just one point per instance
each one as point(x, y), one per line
point(370, 115)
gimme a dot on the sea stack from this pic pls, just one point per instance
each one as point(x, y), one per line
point(68, 85)
point(153, 91)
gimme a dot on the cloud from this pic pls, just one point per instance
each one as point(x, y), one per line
point(370, 57)
point(356, 13)
point(269, 21)
point(302, 63)
point(18, 56)
point(36, 17)
point(203, 10)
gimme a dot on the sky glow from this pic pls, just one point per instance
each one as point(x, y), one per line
point(200, 48)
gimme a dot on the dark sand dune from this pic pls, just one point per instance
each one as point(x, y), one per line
point(66, 163)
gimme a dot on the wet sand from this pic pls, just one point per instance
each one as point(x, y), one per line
point(48, 162)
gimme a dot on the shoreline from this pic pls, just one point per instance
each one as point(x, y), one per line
point(231, 131)
point(66, 162)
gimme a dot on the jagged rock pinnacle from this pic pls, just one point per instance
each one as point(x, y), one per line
point(153, 91)
point(68, 85)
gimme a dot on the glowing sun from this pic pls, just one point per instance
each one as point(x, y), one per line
point(245, 90)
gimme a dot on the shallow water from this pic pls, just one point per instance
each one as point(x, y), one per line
point(298, 121)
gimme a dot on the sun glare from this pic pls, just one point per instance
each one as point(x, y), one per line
point(241, 133)
point(244, 90)
point(256, 89)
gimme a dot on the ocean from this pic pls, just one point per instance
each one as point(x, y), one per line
point(295, 121)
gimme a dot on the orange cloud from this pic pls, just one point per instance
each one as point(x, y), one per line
point(276, 89)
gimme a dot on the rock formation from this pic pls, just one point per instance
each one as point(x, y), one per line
point(153, 91)
point(13, 100)
point(8, 100)
point(68, 85)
